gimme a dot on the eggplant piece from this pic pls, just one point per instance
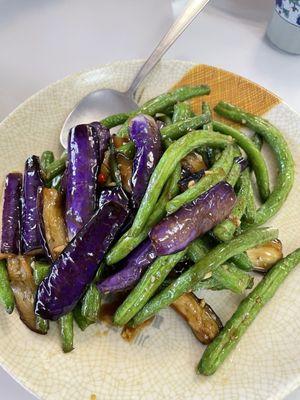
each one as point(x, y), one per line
point(77, 265)
point(102, 136)
point(24, 288)
point(202, 319)
point(81, 178)
point(264, 256)
point(193, 163)
point(177, 230)
point(133, 267)
point(31, 241)
point(52, 225)
point(190, 180)
point(115, 194)
point(11, 214)
point(145, 134)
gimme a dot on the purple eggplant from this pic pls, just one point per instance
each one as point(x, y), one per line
point(132, 269)
point(31, 241)
point(11, 214)
point(192, 220)
point(147, 140)
point(77, 265)
point(81, 179)
point(102, 136)
point(115, 194)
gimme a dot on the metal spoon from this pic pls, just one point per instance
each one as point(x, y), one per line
point(104, 102)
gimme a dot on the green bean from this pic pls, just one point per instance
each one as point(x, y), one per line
point(165, 167)
point(47, 158)
point(207, 110)
point(91, 303)
point(197, 250)
point(42, 324)
point(227, 276)
point(257, 161)
point(182, 111)
point(147, 286)
point(128, 242)
point(115, 120)
point(216, 353)
point(40, 271)
point(56, 168)
point(66, 332)
point(242, 261)
point(160, 103)
point(6, 293)
point(180, 128)
point(80, 320)
point(234, 174)
point(216, 257)
point(166, 119)
point(169, 132)
point(56, 182)
point(257, 140)
point(127, 149)
point(209, 155)
point(226, 229)
point(233, 278)
point(276, 141)
point(216, 174)
point(250, 212)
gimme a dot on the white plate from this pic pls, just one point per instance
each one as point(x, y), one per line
point(160, 364)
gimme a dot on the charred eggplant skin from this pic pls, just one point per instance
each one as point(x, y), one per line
point(146, 137)
point(202, 319)
point(76, 267)
point(81, 177)
point(31, 241)
point(194, 219)
point(11, 214)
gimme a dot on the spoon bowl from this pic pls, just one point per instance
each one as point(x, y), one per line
point(96, 106)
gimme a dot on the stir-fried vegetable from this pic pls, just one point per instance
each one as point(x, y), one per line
point(145, 135)
point(11, 214)
point(177, 230)
point(60, 291)
point(31, 241)
point(135, 221)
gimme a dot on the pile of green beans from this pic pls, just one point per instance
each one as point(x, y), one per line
point(278, 144)
point(189, 279)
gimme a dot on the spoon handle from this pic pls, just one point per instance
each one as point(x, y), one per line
point(191, 10)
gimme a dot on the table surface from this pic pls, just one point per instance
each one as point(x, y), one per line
point(43, 41)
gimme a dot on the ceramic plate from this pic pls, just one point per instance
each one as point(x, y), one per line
point(160, 363)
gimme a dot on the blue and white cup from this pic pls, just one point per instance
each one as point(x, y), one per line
point(284, 27)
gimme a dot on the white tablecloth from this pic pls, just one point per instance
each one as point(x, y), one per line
point(42, 41)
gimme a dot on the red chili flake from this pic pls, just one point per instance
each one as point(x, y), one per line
point(101, 178)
